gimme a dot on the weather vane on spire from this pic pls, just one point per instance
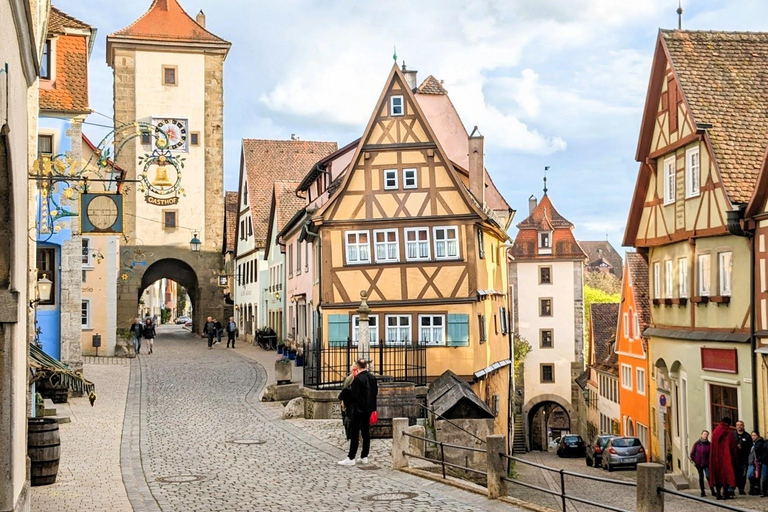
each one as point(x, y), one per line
point(394, 55)
point(679, 15)
point(546, 168)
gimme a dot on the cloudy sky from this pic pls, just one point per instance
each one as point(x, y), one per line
point(557, 83)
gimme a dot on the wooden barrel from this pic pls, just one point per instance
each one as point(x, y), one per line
point(43, 448)
point(395, 400)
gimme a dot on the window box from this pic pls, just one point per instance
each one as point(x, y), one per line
point(681, 301)
point(720, 299)
point(667, 302)
point(657, 302)
point(700, 299)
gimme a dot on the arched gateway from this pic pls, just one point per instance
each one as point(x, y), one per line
point(546, 414)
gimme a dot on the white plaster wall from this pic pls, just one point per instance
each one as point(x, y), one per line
point(562, 322)
point(185, 100)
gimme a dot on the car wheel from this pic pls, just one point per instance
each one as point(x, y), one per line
point(598, 464)
point(610, 468)
point(589, 461)
point(559, 453)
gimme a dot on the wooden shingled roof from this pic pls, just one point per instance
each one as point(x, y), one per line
point(546, 218)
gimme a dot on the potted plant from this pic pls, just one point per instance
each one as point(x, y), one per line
point(280, 347)
point(291, 350)
point(300, 355)
point(283, 370)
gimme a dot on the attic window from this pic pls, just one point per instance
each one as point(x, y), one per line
point(45, 61)
point(169, 75)
point(545, 242)
point(396, 106)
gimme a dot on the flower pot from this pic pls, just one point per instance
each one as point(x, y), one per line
point(299, 360)
point(279, 349)
point(283, 372)
point(292, 355)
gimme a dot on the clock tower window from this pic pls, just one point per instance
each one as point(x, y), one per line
point(194, 138)
point(169, 219)
point(169, 75)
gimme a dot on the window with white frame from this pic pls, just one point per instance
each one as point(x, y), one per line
point(503, 320)
point(640, 380)
point(704, 273)
point(692, 172)
point(432, 329)
point(668, 279)
point(409, 178)
point(626, 325)
point(626, 376)
point(390, 179)
point(385, 245)
point(682, 278)
point(642, 434)
point(298, 257)
point(358, 248)
point(398, 328)
point(725, 273)
point(87, 255)
point(446, 243)
point(656, 280)
point(373, 329)
point(637, 326)
point(86, 313)
point(416, 244)
point(396, 107)
point(545, 242)
point(669, 180)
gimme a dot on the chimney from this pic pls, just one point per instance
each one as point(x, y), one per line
point(531, 204)
point(477, 165)
point(294, 137)
point(201, 18)
point(410, 77)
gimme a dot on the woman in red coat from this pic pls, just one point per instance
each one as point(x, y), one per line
point(722, 455)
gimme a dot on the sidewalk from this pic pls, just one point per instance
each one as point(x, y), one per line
point(265, 358)
point(89, 471)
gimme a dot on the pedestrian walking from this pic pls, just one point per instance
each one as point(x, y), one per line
point(761, 454)
point(232, 331)
point(219, 330)
point(363, 392)
point(744, 447)
point(722, 457)
point(149, 334)
point(137, 333)
point(346, 400)
point(753, 464)
point(209, 329)
point(700, 457)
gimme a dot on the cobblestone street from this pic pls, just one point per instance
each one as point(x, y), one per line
point(195, 437)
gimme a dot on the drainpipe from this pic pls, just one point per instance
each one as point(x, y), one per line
point(734, 223)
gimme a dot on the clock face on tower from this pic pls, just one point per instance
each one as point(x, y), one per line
point(176, 131)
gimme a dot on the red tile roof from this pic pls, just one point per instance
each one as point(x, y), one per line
point(637, 266)
point(288, 204)
point(231, 203)
point(268, 161)
point(167, 21)
point(68, 92)
point(604, 318)
point(545, 218)
point(431, 86)
point(723, 78)
point(602, 250)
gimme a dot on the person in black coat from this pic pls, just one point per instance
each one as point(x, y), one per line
point(149, 333)
point(137, 331)
point(363, 393)
point(219, 330)
point(209, 329)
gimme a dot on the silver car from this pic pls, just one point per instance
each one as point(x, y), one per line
point(623, 452)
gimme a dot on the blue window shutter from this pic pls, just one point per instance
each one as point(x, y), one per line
point(338, 329)
point(458, 330)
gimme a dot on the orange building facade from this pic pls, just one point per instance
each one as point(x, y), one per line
point(632, 349)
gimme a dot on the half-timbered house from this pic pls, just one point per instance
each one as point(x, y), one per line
point(702, 131)
point(424, 238)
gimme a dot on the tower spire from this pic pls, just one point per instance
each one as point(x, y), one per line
point(546, 168)
point(679, 15)
point(394, 55)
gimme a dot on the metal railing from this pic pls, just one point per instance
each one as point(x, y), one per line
point(442, 460)
point(565, 497)
point(451, 422)
point(701, 500)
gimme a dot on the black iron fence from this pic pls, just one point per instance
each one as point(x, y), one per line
point(443, 463)
point(692, 497)
point(326, 367)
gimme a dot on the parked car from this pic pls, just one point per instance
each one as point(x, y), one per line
point(553, 444)
point(595, 450)
point(571, 445)
point(623, 452)
point(188, 324)
point(183, 319)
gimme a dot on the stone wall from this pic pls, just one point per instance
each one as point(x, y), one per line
point(125, 112)
point(577, 367)
point(214, 151)
point(450, 433)
point(71, 302)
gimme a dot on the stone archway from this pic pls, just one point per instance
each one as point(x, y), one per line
point(197, 272)
point(545, 412)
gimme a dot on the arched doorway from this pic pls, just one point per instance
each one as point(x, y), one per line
point(175, 270)
point(548, 417)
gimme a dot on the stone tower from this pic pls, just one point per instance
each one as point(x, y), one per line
point(168, 71)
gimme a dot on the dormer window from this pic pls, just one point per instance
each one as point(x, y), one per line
point(545, 242)
point(396, 106)
point(45, 61)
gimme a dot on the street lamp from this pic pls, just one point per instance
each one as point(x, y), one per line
point(195, 243)
point(44, 288)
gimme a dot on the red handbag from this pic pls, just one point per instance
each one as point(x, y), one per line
point(374, 417)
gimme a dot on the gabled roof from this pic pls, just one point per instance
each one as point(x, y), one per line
point(637, 267)
point(230, 220)
point(321, 164)
point(431, 86)
point(284, 206)
point(268, 161)
point(167, 21)
point(546, 218)
point(604, 318)
point(602, 249)
point(451, 397)
point(68, 92)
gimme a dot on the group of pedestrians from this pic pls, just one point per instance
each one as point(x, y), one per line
point(358, 400)
point(214, 330)
point(146, 331)
point(731, 459)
